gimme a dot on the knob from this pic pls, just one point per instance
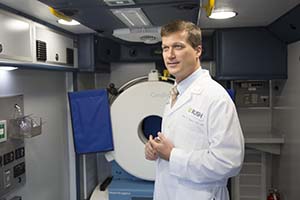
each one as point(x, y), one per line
point(56, 57)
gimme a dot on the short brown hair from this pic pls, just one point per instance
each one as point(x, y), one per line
point(194, 32)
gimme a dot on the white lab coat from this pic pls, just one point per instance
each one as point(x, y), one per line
point(209, 146)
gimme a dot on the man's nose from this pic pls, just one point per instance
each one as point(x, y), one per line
point(171, 53)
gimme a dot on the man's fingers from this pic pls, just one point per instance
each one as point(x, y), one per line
point(161, 136)
point(153, 143)
point(150, 137)
point(150, 154)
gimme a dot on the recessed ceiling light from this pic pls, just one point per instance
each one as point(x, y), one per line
point(68, 23)
point(222, 14)
point(119, 2)
point(7, 68)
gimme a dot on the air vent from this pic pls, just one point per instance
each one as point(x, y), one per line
point(41, 51)
point(132, 17)
point(70, 56)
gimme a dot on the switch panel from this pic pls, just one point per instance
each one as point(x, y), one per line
point(3, 131)
point(8, 157)
point(19, 153)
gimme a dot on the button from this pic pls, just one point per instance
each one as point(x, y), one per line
point(19, 153)
point(7, 178)
point(8, 157)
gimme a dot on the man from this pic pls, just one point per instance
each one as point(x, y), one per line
point(201, 144)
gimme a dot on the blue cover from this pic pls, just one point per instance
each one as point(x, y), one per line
point(91, 121)
point(231, 93)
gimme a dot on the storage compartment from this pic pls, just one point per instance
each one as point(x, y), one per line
point(25, 127)
point(15, 37)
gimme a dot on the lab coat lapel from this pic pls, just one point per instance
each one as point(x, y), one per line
point(186, 96)
point(195, 88)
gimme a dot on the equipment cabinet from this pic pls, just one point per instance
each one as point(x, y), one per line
point(250, 54)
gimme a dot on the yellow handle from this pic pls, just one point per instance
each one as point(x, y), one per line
point(166, 74)
point(59, 14)
point(209, 7)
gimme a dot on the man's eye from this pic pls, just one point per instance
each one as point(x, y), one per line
point(178, 46)
point(165, 48)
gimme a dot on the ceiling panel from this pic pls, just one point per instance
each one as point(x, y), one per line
point(96, 15)
point(159, 17)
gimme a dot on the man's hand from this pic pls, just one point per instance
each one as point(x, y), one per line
point(150, 153)
point(162, 146)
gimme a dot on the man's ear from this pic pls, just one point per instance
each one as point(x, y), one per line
point(198, 50)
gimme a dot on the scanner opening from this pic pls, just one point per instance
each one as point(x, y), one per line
point(150, 125)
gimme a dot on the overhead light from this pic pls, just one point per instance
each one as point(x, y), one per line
point(17, 25)
point(132, 17)
point(68, 23)
point(62, 18)
point(7, 68)
point(119, 2)
point(218, 14)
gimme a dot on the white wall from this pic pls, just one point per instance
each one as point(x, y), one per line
point(286, 120)
point(47, 168)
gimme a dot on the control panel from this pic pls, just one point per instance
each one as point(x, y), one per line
point(252, 93)
point(12, 151)
point(12, 165)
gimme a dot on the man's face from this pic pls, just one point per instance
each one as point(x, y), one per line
point(180, 58)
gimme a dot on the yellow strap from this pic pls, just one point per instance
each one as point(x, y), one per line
point(59, 14)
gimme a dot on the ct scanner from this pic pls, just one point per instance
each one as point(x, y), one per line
point(139, 105)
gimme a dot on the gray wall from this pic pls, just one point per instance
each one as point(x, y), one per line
point(286, 120)
point(47, 154)
point(122, 73)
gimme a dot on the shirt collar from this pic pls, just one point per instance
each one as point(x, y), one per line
point(184, 84)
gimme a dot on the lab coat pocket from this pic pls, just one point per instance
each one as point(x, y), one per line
point(191, 134)
point(192, 123)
